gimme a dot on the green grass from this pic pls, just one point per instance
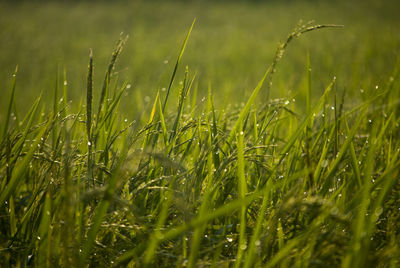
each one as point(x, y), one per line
point(301, 177)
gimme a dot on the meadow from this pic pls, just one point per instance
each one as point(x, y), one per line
point(232, 134)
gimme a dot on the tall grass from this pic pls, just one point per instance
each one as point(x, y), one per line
point(197, 185)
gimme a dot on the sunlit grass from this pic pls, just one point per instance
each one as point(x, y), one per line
point(201, 184)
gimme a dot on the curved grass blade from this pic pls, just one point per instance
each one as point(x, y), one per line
point(21, 168)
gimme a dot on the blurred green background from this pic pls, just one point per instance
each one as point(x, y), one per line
point(230, 47)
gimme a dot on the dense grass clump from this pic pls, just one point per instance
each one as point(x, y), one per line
point(257, 184)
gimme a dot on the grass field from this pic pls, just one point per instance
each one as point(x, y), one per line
point(244, 138)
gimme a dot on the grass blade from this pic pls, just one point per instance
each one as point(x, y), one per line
point(10, 103)
point(177, 64)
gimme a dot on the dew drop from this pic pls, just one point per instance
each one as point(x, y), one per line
point(324, 163)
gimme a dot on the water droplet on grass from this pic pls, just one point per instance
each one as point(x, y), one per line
point(324, 163)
